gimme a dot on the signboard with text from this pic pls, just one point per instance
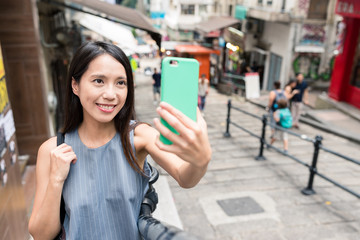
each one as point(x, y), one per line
point(348, 8)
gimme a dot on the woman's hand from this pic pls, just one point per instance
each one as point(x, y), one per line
point(295, 91)
point(192, 144)
point(60, 159)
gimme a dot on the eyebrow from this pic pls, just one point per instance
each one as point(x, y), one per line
point(103, 76)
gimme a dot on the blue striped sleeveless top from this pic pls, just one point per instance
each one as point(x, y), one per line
point(102, 193)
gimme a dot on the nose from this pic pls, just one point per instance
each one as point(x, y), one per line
point(109, 93)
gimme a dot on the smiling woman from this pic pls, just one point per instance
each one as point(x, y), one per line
point(101, 170)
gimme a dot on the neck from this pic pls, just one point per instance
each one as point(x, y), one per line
point(96, 134)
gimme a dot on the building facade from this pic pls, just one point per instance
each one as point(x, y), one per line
point(287, 37)
point(345, 81)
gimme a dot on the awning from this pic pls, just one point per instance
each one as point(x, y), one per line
point(127, 16)
point(235, 37)
point(240, 12)
point(120, 35)
point(215, 24)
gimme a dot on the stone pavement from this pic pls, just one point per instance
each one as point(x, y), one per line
point(241, 198)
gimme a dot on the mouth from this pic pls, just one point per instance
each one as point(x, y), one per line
point(106, 107)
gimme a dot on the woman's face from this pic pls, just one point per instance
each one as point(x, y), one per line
point(102, 89)
point(293, 84)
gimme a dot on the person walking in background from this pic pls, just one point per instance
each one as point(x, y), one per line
point(300, 97)
point(204, 87)
point(290, 91)
point(274, 96)
point(283, 118)
point(156, 86)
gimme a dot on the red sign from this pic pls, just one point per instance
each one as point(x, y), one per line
point(348, 8)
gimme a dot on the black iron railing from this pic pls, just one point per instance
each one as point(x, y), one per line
point(317, 143)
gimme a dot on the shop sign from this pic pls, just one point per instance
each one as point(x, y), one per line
point(350, 8)
point(4, 99)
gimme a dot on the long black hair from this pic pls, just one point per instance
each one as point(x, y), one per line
point(73, 109)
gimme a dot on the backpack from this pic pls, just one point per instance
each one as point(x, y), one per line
point(285, 118)
point(278, 96)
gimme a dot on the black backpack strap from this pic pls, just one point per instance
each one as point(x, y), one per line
point(61, 140)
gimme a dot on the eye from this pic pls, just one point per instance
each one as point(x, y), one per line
point(121, 82)
point(98, 81)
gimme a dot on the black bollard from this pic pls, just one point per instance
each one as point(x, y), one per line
point(262, 139)
point(309, 189)
point(227, 133)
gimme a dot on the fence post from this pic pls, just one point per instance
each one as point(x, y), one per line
point(262, 139)
point(309, 189)
point(227, 133)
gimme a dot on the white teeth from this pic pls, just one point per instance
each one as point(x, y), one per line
point(106, 107)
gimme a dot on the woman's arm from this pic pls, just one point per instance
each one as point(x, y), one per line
point(187, 158)
point(289, 92)
point(52, 167)
point(306, 96)
point(276, 116)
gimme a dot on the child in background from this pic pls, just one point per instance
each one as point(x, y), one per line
point(283, 118)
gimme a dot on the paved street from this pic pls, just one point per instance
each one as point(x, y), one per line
point(241, 198)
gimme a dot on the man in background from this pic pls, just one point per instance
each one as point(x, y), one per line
point(156, 86)
point(298, 99)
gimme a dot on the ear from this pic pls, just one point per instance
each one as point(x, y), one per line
point(75, 87)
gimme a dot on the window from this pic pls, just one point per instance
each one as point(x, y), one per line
point(269, 2)
point(260, 2)
point(318, 9)
point(187, 9)
point(230, 10)
point(202, 9)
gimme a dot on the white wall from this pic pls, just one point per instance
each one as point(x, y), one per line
point(280, 37)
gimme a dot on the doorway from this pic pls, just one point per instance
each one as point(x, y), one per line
point(274, 70)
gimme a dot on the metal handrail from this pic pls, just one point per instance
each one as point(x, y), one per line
point(317, 142)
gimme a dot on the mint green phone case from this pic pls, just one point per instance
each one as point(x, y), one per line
point(179, 87)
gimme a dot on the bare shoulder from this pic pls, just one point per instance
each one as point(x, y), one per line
point(144, 130)
point(47, 147)
point(143, 135)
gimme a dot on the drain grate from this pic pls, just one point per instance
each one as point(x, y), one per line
point(240, 206)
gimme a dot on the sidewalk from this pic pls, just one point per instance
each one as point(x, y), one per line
point(241, 198)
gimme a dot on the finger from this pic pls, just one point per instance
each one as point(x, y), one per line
point(167, 148)
point(178, 114)
point(63, 148)
point(173, 121)
point(167, 133)
point(70, 157)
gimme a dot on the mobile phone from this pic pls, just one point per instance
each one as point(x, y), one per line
point(179, 87)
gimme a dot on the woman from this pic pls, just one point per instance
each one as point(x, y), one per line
point(101, 169)
point(290, 90)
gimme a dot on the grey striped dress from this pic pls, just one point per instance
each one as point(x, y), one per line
point(102, 193)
